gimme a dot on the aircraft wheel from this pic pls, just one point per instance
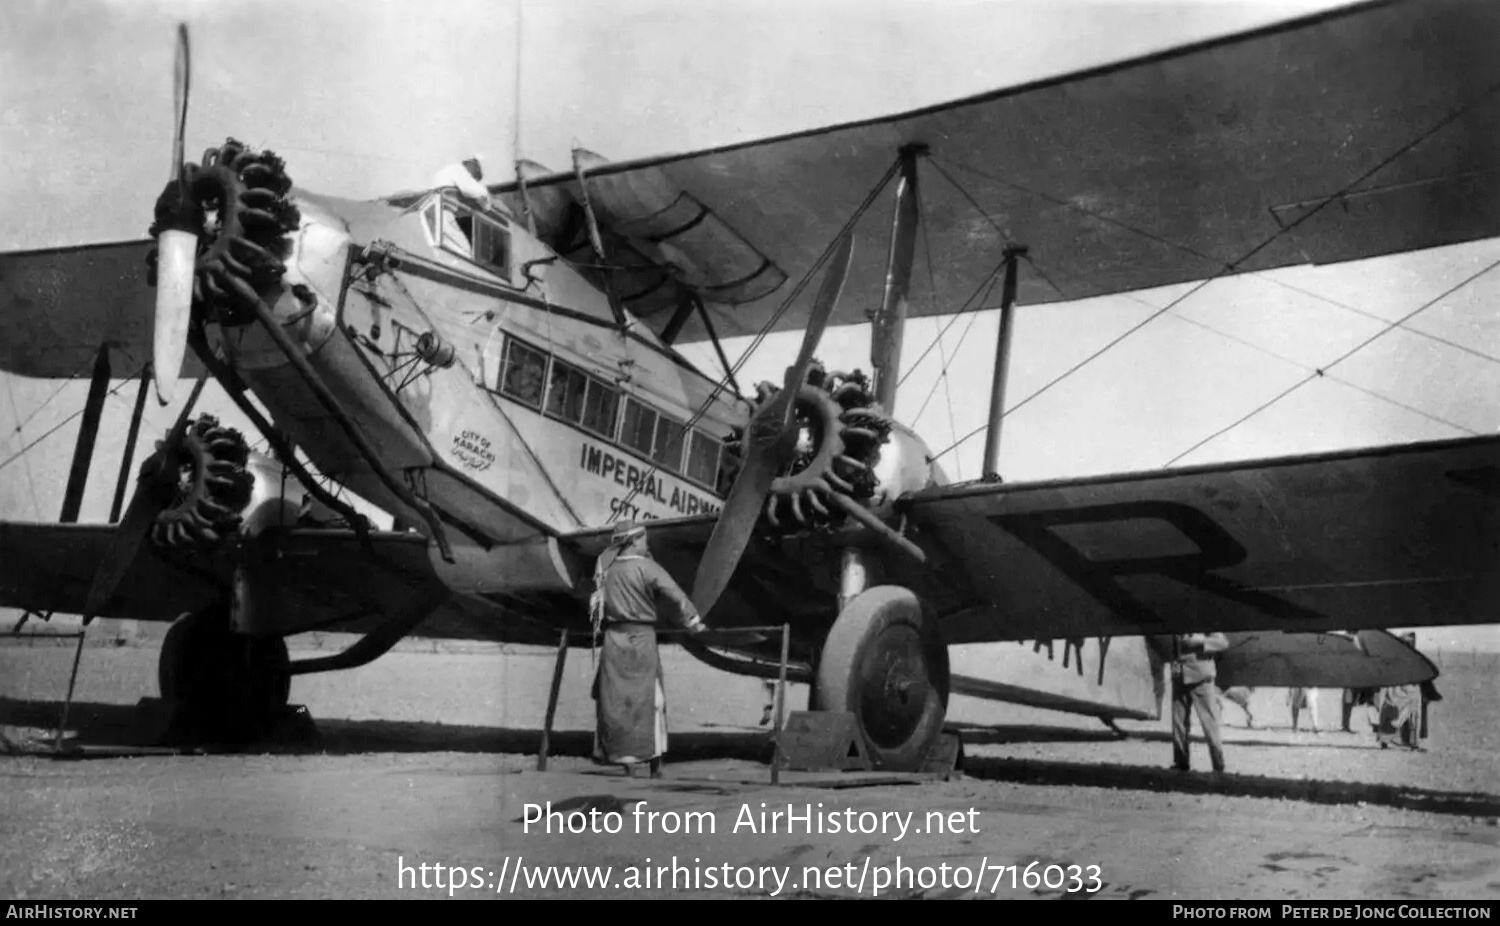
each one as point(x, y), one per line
point(884, 661)
point(228, 684)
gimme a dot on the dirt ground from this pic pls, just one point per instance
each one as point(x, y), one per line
point(429, 758)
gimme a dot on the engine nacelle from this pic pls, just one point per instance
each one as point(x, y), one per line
point(304, 300)
point(847, 445)
point(277, 498)
point(904, 465)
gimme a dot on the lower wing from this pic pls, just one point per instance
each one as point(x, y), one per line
point(324, 579)
point(1392, 537)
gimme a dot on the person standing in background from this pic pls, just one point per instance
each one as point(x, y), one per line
point(1241, 696)
point(1193, 688)
point(1299, 699)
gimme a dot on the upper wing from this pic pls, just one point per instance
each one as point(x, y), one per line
point(1367, 659)
point(1207, 159)
point(58, 305)
point(1391, 537)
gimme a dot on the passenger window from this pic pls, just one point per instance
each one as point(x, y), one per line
point(669, 438)
point(523, 374)
point(703, 459)
point(638, 432)
point(565, 394)
point(599, 409)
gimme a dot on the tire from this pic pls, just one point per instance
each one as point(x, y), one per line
point(884, 662)
point(230, 685)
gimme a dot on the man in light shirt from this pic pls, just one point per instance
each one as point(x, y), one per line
point(468, 179)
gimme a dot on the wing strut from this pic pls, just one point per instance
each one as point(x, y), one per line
point(991, 470)
point(594, 238)
point(83, 457)
point(83, 451)
point(128, 456)
point(889, 326)
point(708, 325)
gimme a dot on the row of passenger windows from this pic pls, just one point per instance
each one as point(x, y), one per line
point(563, 391)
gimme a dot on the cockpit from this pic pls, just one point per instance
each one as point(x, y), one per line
point(480, 236)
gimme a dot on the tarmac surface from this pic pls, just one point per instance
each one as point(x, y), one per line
point(429, 758)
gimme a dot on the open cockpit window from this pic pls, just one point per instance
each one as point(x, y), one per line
point(480, 237)
point(432, 220)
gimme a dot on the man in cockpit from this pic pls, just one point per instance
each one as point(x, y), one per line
point(467, 180)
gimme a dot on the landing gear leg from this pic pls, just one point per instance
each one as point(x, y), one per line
point(884, 662)
point(853, 576)
point(224, 687)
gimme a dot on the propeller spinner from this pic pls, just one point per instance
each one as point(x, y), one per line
point(770, 443)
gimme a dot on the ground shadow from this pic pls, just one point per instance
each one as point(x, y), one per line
point(110, 725)
point(122, 725)
point(1038, 733)
point(1150, 778)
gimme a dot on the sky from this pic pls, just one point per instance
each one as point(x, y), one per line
point(371, 97)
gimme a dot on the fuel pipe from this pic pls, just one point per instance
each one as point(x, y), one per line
point(283, 449)
point(331, 403)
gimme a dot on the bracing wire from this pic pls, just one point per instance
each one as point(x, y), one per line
point(1226, 268)
point(57, 427)
point(942, 348)
point(1288, 360)
point(36, 504)
point(1345, 356)
point(1323, 372)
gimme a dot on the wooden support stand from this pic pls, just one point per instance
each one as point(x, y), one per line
point(557, 676)
point(822, 741)
point(946, 757)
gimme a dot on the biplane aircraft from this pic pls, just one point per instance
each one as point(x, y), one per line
point(504, 378)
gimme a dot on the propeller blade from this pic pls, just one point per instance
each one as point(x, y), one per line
point(182, 70)
point(767, 448)
point(145, 505)
point(732, 532)
point(176, 252)
point(817, 321)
